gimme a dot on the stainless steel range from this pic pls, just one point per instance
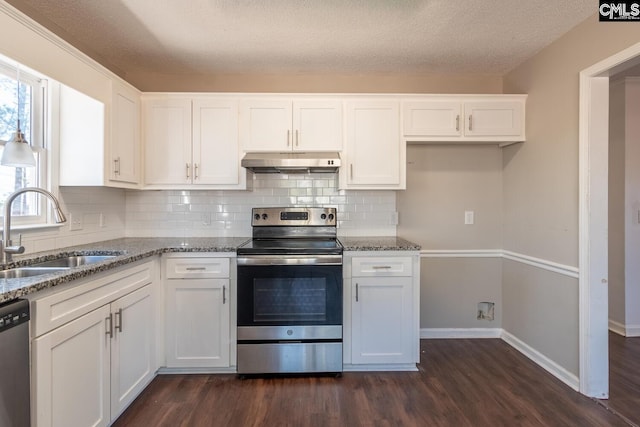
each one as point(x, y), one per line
point(290, 293)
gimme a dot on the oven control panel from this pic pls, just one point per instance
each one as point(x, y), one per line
point(304, 217)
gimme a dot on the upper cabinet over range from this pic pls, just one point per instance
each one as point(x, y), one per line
point(464, 119)
point(280, 125)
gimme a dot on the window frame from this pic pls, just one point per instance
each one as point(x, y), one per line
point(37, 139)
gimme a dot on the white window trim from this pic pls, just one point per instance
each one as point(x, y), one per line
point(42, 139)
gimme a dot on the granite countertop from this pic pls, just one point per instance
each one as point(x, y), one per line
point(127, 250)
point(382, 243)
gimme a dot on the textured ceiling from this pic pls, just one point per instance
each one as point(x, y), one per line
point(309, 36)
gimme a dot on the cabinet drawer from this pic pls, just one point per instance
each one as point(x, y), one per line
point(197, 268)
point(381, 266)
point(61, 307)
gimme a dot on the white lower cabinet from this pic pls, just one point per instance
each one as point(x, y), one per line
point(87, 371)
point(382, 320)
point(382, 315)
point(198, 323)
point(198, 312)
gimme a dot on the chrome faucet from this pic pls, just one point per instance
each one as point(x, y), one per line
point(6, 246)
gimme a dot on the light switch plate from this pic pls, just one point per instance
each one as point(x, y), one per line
point(469, 217)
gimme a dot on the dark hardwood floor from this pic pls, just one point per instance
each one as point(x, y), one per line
point(459, 383)
point(624, 377)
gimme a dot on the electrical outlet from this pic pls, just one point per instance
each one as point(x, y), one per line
point(468, 217)
point(394, 218)
point(75, 222)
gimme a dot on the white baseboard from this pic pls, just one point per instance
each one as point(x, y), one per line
point(165, 371)
point(380, 367)
point(437, 333)
point(617, 327)
point(624, 330)
point(547, 364)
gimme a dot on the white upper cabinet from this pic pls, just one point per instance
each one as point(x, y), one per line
point(279, 125)
point(216, 151)
point(192, 143)
point(125, 135)
point(374, 155)
point(167, 141)
point(100, 143)
point(497, 119)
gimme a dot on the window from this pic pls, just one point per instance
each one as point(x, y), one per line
point(29, 208)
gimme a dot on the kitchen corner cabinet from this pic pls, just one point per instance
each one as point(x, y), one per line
point(374, 155)
point(280, 125)
point(100, 144)
point(383, 325)
point(497, 119)
point(192, 143)
point(198, 313)
point(90, 368)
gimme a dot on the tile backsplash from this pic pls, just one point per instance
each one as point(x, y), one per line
point(110, 213)
point(190, 213)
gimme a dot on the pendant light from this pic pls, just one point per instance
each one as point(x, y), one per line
point(17, 152)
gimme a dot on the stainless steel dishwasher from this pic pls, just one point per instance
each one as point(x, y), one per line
point(14, 364)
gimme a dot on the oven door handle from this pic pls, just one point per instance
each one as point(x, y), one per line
point(290, 260)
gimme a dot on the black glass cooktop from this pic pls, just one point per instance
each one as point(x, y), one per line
point(291, 247)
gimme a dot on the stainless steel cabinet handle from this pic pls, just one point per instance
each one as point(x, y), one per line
point(109, 328)
point(356, 292)
point(351, 170)
point(381, 267)
point(187, 170)
point(288, 136)
point(196, 268)
point(195, 171)
point(458, 123)
point(116, 166)
point(470, 121)
point(297, 139)
point(224, 294)
point(119, 321)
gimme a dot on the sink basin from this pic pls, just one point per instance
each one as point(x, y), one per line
point(72, 261)
point(16, 273)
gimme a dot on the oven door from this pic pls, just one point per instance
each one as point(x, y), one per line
point(289, 292)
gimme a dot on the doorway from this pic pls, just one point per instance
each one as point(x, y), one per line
point(593, 219)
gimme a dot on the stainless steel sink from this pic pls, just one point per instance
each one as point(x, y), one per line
point(72, 261)
point(16, 273)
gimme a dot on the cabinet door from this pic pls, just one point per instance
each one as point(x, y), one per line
point(317, 125)
point(167, 141)
point(197, 323)
point(216, 147)
point(432, 118)
point(382, 329)
point(71, 373)
point(265, 125)
point(495, 118)
point(132, 347)
point(125, 136)
point(373, 146)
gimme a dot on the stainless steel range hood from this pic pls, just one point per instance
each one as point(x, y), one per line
point(328, 162)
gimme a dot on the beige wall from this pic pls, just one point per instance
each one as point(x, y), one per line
point(442, 183)
point(319, 83)
point(541, 187)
